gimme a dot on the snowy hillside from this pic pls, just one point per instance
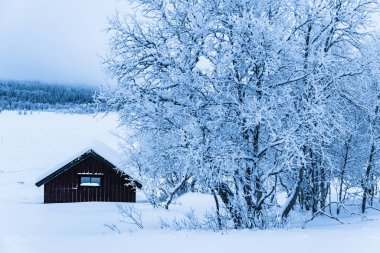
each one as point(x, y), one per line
point(34, 143)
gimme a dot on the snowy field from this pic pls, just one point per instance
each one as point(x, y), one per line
point(31, 144)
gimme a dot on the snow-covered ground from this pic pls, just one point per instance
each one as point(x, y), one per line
point(32, 144)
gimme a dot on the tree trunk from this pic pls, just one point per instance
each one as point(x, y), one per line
point(293, 197)
point(366, 181)
point(217, 209)
point(227, 196)
point(342, 173)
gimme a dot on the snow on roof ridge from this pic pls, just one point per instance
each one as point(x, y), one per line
point(95, 145)
point(106, 152)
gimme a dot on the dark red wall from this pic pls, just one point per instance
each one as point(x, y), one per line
point(65, 187)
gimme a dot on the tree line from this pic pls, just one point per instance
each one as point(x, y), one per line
point(39, 96)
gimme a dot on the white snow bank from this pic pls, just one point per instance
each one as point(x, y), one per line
point(42, 139)
point(30, 144)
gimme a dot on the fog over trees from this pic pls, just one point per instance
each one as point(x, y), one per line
point(38, 96)
point(252, 102)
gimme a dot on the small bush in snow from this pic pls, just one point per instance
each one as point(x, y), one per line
point(131, 215)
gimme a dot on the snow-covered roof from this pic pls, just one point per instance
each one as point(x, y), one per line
point(95, 147)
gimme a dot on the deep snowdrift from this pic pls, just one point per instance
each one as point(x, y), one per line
point(32, 144)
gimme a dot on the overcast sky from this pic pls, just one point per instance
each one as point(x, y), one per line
point(54, 40)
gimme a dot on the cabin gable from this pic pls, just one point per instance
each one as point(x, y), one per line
point(89, 178)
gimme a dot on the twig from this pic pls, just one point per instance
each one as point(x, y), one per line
point(324, 213)
point(374, 208)
point(132, 214)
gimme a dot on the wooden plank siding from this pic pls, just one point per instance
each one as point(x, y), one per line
point(66, 186)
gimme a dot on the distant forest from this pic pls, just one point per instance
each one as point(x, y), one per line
point(38, 96)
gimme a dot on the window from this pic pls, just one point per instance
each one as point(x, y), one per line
point(90, 181)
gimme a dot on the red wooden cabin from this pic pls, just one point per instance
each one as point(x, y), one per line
point(92, 175)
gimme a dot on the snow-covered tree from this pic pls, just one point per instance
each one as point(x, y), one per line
point(237, 98)
point(327, 38)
